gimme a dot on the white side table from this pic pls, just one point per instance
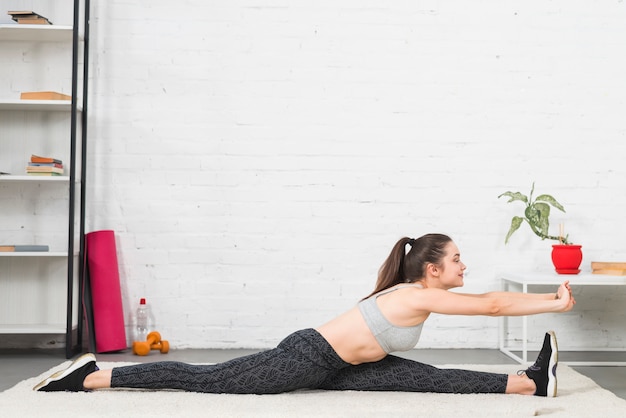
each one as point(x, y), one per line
point(522, 281)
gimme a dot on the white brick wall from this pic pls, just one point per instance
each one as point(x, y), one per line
point(258, 159)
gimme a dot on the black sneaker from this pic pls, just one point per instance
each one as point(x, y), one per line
point(543, 372)
point(72, 378)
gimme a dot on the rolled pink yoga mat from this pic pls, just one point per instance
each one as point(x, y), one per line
point(106, 294)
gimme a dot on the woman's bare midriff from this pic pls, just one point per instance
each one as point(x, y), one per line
point(351, 338)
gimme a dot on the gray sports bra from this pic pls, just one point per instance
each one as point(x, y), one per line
point(390, 337)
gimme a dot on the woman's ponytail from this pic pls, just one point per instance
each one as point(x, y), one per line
point(408, 267)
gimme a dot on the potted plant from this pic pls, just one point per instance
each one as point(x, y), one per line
point(566, 257)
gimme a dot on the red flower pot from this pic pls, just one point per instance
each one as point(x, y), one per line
point(567, 258)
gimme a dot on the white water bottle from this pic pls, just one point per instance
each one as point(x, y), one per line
point(142, 321)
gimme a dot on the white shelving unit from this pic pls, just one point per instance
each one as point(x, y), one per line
point(42, 105)
point(15, 178)
point(40, 292)
point(37, 33)
point(523, 281)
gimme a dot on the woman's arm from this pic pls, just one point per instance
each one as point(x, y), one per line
point(494, 304)
point(534, 296)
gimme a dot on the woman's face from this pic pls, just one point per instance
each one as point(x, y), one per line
point(452, 268)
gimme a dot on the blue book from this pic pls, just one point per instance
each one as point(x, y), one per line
point(31, 248)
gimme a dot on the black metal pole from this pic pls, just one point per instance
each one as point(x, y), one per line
point(69, 348)
point(83, 179)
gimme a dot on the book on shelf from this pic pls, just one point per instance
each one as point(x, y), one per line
point(33, 21)
point(28, 17)
point(44, 95)
point(44, 170)
point(45, 160)
point(57, 165)
point(608, 268)
point(44, 166)
point(44, 174)
point(23, 248)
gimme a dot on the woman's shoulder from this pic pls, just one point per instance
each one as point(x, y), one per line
point(401, 288)
point(409, 285)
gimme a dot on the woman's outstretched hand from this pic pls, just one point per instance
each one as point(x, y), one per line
point(564, 294)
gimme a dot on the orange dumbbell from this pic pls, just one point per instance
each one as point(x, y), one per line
point(163, 346)
point(153, 342)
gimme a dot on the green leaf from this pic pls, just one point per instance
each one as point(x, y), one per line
point(549, 199)
point(538, 215)
point(515, 224)
point(515, 196)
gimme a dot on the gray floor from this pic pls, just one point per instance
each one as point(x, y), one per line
point(17, 365)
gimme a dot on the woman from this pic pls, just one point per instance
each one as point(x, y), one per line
point(351, 352)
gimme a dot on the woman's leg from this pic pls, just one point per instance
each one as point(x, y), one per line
point(398, 374)
point(302, 360)
point(519, 384)
point(394, 373)
point(100, 379)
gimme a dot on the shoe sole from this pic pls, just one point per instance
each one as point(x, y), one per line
point(76, 364)
point(553, 363)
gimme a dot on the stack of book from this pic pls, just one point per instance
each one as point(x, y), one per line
point(23, 248)
point(44, 95)
point(610, 268)
point(44, 166)
point(28, 17)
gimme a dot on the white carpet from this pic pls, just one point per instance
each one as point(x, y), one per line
point(578, 396)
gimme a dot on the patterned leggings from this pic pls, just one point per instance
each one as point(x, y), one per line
point(304, 360)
